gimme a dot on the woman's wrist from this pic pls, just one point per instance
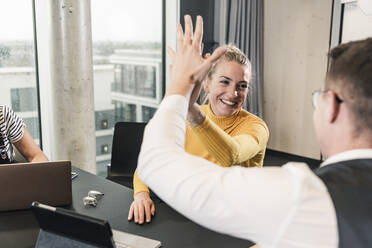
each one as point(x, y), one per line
point(142, 194)
point(195, 116)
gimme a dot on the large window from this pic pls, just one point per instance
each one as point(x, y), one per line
point(127, 55)
point(17, 62)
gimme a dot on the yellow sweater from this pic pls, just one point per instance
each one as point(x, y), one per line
point(239, 139)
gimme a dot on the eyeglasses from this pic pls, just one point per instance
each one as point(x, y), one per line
point(316, 94)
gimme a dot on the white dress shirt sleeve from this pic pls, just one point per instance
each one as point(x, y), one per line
point(258, 204)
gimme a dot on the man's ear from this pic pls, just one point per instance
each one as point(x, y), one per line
point(333, 107)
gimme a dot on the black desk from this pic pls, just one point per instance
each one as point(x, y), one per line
point(20, 229)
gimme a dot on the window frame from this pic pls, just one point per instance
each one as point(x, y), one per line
point(37, 74)
point(41, 12)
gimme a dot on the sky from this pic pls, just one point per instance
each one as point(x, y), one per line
point(126, 20)
point(16, 20)
point(112, 20)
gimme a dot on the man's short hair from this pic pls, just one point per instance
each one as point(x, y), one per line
point(350, 76)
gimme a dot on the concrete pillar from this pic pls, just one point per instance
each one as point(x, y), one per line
point(72, 83)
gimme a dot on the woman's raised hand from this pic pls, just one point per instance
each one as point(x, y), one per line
point(188, 66)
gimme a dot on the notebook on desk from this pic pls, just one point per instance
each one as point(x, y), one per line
point(65, 228)
point(23, 183)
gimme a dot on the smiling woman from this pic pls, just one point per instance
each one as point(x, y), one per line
point(220, 131)
point(227, 83)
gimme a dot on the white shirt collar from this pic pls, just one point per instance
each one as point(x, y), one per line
point(348, 155)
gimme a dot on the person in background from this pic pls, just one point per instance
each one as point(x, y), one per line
point(14, 133)
point(220, 131)
point(288, 206)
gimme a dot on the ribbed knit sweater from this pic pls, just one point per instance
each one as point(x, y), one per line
point(239, 139)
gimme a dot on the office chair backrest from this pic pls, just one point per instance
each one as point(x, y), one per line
point(126, 145)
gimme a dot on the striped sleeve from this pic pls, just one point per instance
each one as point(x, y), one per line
point(15, 125)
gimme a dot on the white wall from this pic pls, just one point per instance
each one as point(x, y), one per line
point(296, 41)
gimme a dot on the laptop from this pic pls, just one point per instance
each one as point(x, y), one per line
point(65, 228)
point(23, 183)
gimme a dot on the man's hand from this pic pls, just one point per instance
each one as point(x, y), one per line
point(141, 207)
point(188, 66)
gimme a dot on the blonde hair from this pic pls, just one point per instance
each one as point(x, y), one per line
point(233, 54)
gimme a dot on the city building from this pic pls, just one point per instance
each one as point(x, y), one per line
point(127, 88)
